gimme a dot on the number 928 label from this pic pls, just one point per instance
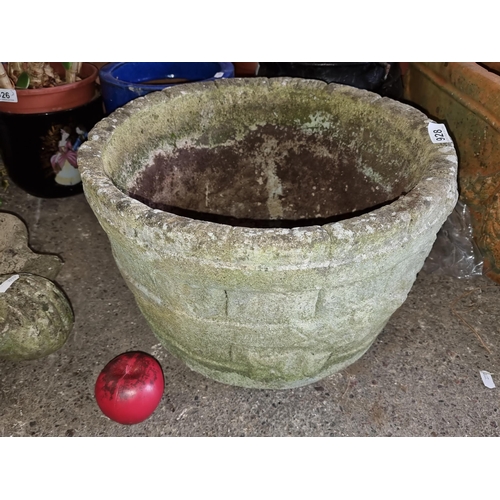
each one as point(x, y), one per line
point(438, 133)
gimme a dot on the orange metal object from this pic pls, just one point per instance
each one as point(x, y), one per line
point(466, 97)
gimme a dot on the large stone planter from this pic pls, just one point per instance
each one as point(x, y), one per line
point(287, 220)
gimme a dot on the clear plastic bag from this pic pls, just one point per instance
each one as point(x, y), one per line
point(455, 253)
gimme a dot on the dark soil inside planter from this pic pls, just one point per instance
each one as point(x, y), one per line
point(274, 176)
point(257, 223)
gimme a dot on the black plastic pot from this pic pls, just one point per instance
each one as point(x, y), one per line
point(382, 78)
point(40, 150)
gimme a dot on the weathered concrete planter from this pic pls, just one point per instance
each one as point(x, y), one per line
point(354, 181)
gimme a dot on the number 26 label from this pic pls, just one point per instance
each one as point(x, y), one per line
point(438, 133)
point(8, 95)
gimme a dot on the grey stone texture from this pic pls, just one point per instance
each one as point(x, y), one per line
point(15, 254)
point(35, 318)
point(268, 307)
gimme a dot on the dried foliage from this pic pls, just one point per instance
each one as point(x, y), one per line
point(36, 75)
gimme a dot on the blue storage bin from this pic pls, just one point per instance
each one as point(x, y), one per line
point(123, 81)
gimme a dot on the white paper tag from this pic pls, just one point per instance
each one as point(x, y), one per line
point(8, 95)
point(487, 380)
point(6, 284)
point(219, 74)
point(438, 133)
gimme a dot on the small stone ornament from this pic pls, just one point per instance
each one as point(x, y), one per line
point(35, 317)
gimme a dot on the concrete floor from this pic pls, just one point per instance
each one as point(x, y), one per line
point(420, 378)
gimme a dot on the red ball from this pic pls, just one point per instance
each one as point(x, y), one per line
point(130, 387)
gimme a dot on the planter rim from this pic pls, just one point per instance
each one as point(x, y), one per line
point(404, 214)
point(49, 99)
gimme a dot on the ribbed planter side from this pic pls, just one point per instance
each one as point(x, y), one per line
point(465, 97)
point(270, 307)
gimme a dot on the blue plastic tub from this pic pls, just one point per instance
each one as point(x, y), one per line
point(123, 81)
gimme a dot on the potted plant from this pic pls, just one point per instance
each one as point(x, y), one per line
point(46, 111)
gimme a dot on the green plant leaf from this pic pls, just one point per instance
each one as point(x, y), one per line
point(23, 81)
point(66, 65)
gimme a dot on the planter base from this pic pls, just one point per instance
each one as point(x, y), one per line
point(232, 377)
